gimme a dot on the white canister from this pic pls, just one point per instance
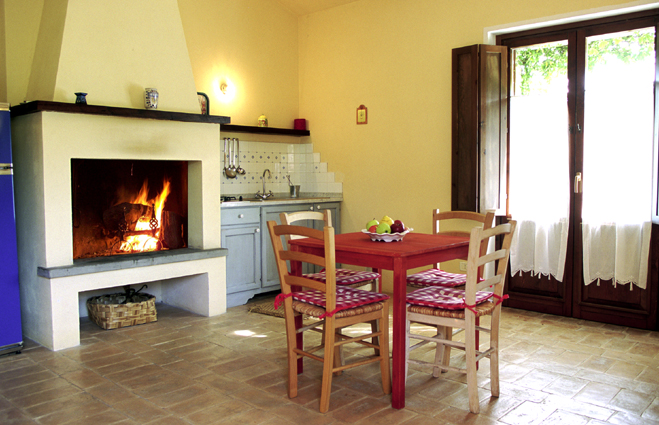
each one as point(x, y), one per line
point(151, 98)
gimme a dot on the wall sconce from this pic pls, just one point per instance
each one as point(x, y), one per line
point(224, 90)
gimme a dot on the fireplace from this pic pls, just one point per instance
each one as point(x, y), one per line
point(62, 152)
point(128, 206)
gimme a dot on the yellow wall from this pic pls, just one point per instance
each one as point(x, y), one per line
point(22, 29)
point(252, 46)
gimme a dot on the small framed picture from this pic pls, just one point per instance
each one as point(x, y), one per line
point(362, 115)
point(203, 103)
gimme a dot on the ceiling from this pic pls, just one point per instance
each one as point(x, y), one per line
point(305, 7)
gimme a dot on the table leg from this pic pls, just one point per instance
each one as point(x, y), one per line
point(398, 351)
point(296, 269)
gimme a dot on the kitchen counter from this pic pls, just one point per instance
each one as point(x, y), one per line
point(283, 199)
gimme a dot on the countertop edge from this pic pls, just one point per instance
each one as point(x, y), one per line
point(281, 201)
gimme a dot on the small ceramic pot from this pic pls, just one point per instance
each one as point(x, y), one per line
point(81, 98)
point(151, 98)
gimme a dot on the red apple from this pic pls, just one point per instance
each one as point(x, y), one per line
point(397, 227)
point(372, 229)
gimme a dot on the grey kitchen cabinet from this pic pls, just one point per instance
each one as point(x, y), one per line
point(241, 235)
point(269, 270)
point(251, 267)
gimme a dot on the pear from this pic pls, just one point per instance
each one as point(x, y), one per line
point(387, 220)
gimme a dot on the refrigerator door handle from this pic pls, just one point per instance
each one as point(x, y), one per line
point(6, 169)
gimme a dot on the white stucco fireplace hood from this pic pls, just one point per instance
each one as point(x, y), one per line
point(130, 46)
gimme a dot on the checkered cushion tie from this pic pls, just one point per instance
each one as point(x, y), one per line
point(346, 298)
point(445, 298)
point(346, 277)
point(436, 277)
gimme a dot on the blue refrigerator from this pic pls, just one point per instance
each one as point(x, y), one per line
point(11, 335)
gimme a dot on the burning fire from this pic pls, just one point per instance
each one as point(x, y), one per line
point(149, 240)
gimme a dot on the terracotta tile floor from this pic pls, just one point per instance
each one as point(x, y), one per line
point(187, 369)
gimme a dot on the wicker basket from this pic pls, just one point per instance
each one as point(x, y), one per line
point(114, 316)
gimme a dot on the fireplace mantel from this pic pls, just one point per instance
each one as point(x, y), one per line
point(75, 108)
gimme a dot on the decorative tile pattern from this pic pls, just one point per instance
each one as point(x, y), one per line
point(296, 160)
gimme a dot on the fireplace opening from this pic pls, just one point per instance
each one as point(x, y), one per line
point(128, 206)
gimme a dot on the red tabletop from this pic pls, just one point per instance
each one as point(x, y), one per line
point(415, 250)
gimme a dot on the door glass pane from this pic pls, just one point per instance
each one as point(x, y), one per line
point(539, 149)
point(617, 165)
point(618, 127)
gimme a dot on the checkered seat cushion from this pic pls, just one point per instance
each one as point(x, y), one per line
point(346, 300)
point(346, 277)
point(436, 277)
point(444, 298)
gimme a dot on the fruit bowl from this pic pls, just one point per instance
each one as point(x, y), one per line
point(387, 237)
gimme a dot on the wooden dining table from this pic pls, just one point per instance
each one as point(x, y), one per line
point(415, 250)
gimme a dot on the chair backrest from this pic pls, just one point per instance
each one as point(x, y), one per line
point(290, 218)
point(460, 223)
point(478, 259)
point(290, 281)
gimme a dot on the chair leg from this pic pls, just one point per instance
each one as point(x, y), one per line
point(375, 340)
point(470, 353)
point(448, 335)
point(291, 337)
point(439, 351)
point(328, 365)
point(494, 355)
point(494, 373)
point(338, 353)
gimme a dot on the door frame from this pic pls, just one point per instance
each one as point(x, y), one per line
point(576, 299)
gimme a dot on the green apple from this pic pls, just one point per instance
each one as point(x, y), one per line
point(387, 220)
point(383, 227)
point(373, 222)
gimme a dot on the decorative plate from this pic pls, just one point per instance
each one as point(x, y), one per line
point(388, 237)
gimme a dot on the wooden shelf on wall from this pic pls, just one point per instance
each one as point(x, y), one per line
point(157, 114)
point(233, 128)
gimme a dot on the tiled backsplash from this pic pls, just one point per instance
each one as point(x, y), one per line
point(297, 160)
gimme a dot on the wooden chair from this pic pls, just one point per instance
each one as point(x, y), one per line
point(336, 309)
point(447, 308)
point(344, 277)
point(435, 276)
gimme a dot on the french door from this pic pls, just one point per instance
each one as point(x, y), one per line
point(581, 158)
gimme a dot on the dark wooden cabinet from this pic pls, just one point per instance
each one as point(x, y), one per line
point(479, 128)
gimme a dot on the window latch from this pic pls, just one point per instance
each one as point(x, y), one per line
point(578, 183)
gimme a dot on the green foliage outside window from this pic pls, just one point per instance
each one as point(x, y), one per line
point(537, 66)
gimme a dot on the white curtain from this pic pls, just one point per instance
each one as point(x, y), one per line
point(539, 183)
point(617, 185)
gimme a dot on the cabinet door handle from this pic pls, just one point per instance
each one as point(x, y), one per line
point(257, 230)
point(241, 215)
point(311, 208)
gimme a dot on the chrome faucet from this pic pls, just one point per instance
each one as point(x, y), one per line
point(263, 195)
